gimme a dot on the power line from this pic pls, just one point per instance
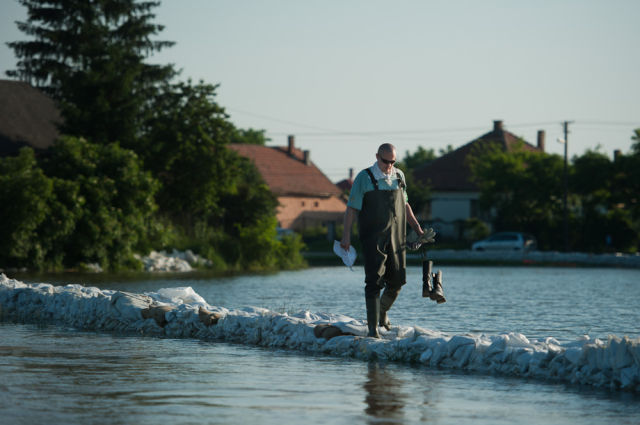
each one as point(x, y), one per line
point(326, 133)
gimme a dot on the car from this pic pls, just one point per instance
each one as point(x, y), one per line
point(506, 241)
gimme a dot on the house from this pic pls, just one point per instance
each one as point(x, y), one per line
point(454, 196)
point(345, 185)
point(307, 197)
point(28, 117)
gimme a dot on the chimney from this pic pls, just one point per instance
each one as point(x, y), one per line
point(292, 143)
point(497, 125)
point(616, 154)
point(541, 136)
point(351, 174)
point(307, 161)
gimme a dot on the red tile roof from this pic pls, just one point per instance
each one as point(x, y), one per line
point(285, 174)
point(345, 184)
point(451, 173)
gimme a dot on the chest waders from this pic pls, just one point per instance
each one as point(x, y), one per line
point(382, 228)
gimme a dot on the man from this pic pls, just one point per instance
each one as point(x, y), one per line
point(379, 199)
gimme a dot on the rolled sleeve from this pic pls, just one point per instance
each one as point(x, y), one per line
point(358, 190)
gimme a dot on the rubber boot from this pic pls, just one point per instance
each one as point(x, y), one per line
point(386, 301)
point(438, 292)
point(373, 315)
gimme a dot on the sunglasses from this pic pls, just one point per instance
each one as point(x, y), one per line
point(388, 161)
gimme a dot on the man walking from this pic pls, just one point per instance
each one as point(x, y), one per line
point(379, 199)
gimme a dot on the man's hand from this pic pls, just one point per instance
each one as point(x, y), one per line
point(349, 215)
point(345, 243)
point(415, 241)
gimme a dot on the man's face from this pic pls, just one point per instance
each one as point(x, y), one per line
point(386, 161)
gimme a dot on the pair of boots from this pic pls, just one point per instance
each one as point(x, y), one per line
point(377, 312)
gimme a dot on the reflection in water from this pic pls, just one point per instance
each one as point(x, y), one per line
point(384, 396)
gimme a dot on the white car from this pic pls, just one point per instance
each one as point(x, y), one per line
point(506, 241)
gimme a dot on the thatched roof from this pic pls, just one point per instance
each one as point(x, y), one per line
point(28, 117)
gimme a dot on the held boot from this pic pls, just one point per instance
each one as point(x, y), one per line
point(386, 301)
point(438, 293)
point(373, 315)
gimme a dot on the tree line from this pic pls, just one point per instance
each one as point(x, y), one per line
point(142, 162)
point(524, 191)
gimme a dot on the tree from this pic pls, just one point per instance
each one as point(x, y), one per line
point(25, 194)
point(249, 136)
point(214, 197)
point(90, 57)
point(112, 200)
point(635, 147)
point(185, 148)
point(419, 194)
point(523, 188)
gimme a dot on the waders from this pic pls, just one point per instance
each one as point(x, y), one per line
point(382, 229)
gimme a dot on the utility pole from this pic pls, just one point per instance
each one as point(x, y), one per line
point(566, 188)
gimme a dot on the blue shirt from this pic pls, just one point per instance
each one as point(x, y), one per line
point(362, 184)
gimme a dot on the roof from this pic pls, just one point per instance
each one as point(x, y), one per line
point(345, 185)
point(287, 174)
point(28, 117)
point(450, 172)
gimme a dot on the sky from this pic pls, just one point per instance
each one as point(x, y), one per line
point(344, 76)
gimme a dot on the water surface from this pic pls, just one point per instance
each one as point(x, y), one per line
point(52, 374)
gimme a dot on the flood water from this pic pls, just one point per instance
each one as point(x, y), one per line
point(52, 374)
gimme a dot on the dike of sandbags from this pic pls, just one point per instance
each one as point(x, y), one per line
point(182, 313)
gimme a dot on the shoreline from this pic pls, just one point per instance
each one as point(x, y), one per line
point(501, 258)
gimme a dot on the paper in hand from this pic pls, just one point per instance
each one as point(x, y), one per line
point(348, 258)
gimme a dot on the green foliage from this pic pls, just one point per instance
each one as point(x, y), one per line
point(215, 198)
point(173, 183)
point(635, 147)
point(249, 136)
point(25, 194)
point(523, 188)
point(89, 203)
point(419, 194)
point(184, 148)
point(525, 191)
point(90, 57)
point(413, 161)
point(115, 197)
point(475, 229)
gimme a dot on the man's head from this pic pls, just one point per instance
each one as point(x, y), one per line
point(386, 157)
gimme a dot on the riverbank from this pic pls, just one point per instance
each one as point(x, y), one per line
point(497, 258)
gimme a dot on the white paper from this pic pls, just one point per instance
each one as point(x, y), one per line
point(348, 258)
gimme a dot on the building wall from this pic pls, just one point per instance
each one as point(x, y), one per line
point(300, 212)
point(447, 209)
point(451, 206)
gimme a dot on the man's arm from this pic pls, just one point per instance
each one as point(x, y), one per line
point(349, 216)
point(413, 222)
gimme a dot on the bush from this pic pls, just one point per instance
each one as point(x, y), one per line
point(87, 204)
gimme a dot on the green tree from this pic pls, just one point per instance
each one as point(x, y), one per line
point(591, 181)
point(635, 147)
point(38, 214)
point(214, 197)
point(24, 195)
point(524, 189)
point(113, 201)
point(249, 136)
point(90, 57)
point(185, 148)
point(418, 193)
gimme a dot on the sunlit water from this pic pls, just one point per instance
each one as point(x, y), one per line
point(56, 375)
